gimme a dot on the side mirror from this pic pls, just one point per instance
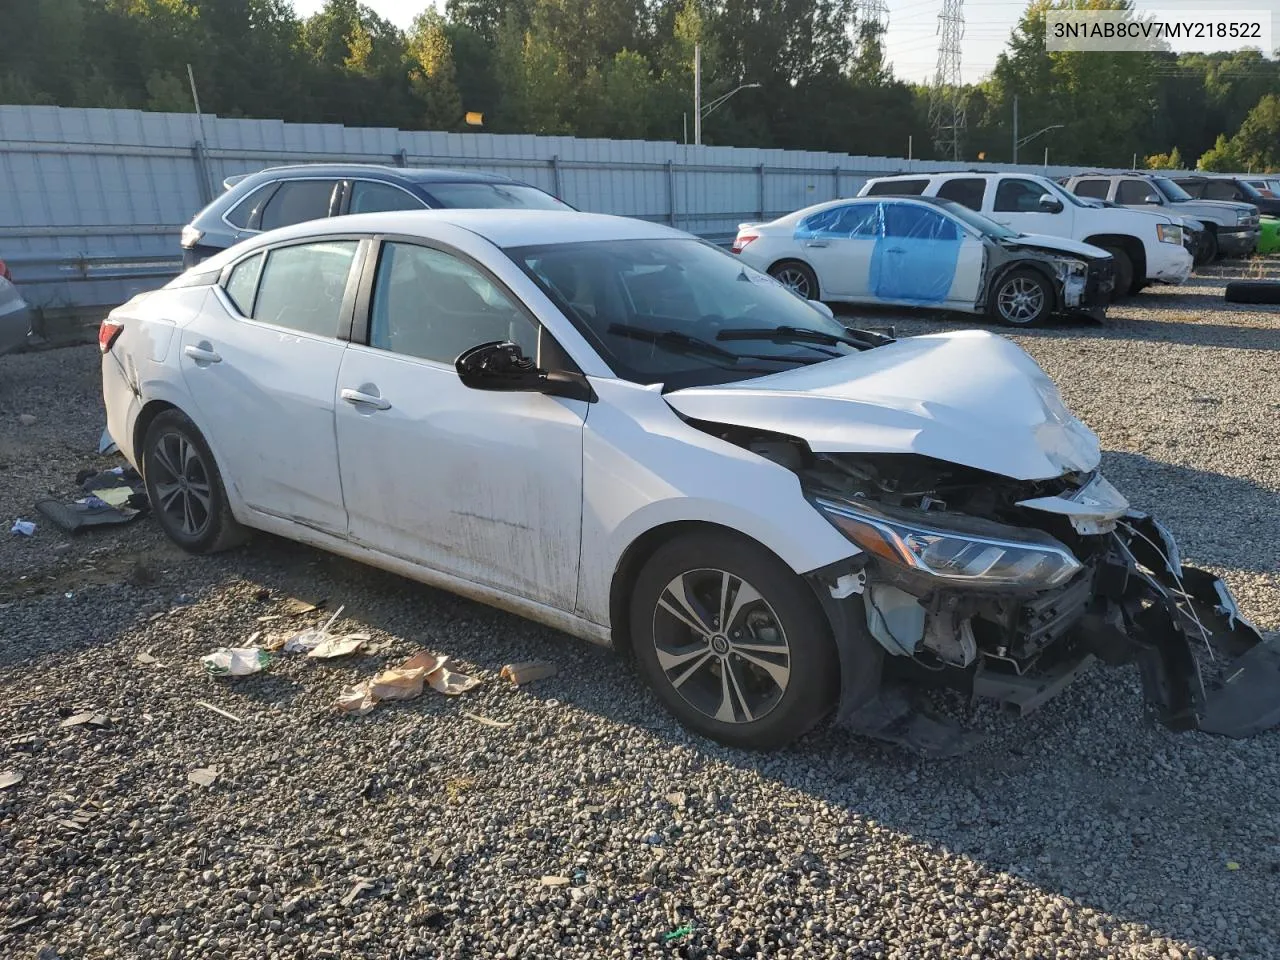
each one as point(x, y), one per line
point(1050, 204)
point(502, 365)
point(822, 308)
point(1152, 199)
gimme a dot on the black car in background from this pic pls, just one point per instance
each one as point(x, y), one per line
point(1229, 188)
point(281, 196)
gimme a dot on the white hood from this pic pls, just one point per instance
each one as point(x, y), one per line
point(969, 397)
point(1062, 244)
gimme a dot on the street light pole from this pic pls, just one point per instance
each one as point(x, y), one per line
point(697, 94)
point(1015, 129)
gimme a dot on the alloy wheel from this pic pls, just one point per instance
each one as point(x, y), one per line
point(182, 487)
point(795, 280)
point(721, 646)
point(1021, 300)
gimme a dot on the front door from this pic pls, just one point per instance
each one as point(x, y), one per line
point(925, 257)
point(261, 361)
point(483, 485)
point(1016, 205)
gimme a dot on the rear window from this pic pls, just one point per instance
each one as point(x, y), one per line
point(911, 188)
point(489, 196)
point(966, 191)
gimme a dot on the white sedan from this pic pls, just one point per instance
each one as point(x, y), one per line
point(616, 429)
point(927, 252)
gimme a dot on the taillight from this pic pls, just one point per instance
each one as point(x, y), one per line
point(4, 272)
point(740, 243)
point(108, 332)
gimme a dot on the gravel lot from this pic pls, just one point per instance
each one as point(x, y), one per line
point(418, 831)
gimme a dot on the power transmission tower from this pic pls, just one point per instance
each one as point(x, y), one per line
point(875, 12)
point(946, 101)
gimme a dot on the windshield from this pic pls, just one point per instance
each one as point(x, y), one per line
point(654, 308)
point(985, 226)
point(488, 196)
point(1171, 190)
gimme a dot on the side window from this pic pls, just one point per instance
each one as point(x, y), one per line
point(297, 201)
point(242, 283)
point(303, 286)
point(368, 196)
point(902, 188)
point(908, 221)
point(1019, 196)
point(242, 212)
point(1133, 193)
point(1193, 187)
point(432, 305)
point(841, 223)
point(1095, 188)
point(1222, 190)
point(967, 191)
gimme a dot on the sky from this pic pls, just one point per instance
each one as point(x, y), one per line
point(912, 42)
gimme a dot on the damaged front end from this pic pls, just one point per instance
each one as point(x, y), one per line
point(1007, 590)
point(1084, 284)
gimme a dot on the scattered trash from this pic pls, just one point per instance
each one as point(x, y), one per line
point(677, 934)
point(92, 718)
point(204, 776)
point(309, 640)
point(521, 673)
point(500, 724)
point(219, 711)
point(1232, 865)
point(676, 799)
point(145, 658)
point(405, 682)
point(236, 661)
point(339, 646)
point(85, 512)
point(9, 778)
point(26, 419)
point(295, 606)
point(23, 527)
point(20, 924)
point(360, 887)
point(114, 496)
point(555, 881)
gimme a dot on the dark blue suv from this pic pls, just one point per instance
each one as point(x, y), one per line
point(280, 196)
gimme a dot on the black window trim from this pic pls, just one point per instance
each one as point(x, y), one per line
point(348, 187)
point(361, 317)
point(269, 188)
point(349, 295)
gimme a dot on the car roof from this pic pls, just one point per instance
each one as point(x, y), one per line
point(941, 202)
point(411, 174)
point(501, 227)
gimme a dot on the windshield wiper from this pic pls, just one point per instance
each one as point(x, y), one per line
point(861, 339)
point(685, 343)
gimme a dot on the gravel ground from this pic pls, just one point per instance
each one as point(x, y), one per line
point(418, 831)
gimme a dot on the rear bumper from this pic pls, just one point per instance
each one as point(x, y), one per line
point(122, 403)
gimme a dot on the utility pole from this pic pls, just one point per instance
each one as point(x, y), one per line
point(946, 107)
point(1015, 128)
point(697, 94)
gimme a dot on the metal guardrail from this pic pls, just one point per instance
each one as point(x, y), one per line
point(32, 268)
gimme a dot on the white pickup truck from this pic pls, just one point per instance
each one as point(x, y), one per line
point(1147, 246)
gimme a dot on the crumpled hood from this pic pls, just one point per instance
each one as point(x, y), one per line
point(1058, 245)
point(969, 397)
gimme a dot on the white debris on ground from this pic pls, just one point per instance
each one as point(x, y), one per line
point(571, 817)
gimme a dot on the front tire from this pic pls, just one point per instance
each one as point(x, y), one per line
point(732, 641)
point(185, 487)
point(797, 277)
point(1022, 298)
point(1123, 273)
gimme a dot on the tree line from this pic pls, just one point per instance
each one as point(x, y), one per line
point(624, 69)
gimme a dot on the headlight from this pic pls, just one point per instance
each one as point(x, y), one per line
point(1029, 559)
point(1169, 232)
point(1070, 268)
point(190, 236)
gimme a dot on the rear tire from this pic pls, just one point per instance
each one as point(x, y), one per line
point(185, 487)
point(797, 277)
point(732, 641)
point(1123, 273)
point(1022, 298)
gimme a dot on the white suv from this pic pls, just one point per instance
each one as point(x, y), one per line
point(1147, 246)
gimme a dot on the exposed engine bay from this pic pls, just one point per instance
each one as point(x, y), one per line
point(1008, 589)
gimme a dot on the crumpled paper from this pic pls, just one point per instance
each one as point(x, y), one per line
point(236, 661)
point(332, 646)
point(406, 682)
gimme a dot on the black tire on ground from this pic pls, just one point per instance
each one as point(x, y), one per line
point(1253, 291)
point(1208, 251)
point(797, 277)
point(1022, 298)
point(185, 487)
point(778, 618)
point(1123, 273)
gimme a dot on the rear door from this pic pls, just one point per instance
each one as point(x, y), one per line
point(838, 243)
point(261, 363)
point(297, 201)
